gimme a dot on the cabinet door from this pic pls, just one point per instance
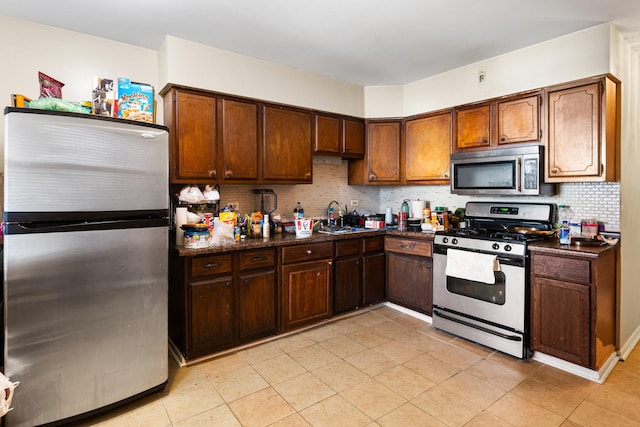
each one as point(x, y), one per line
point(409, 281)
point(561, 321)
point(239, 140)
point(328, 139)
point(353, 138)
point(519, 120)
point(347, 284)
point(211, 315)
point(306, 289)
point(194, 152)
point(257, 296)
point(574, 133)
point(383, 152)
point(473, 127)
point(287, 151)
point(427, 149)
point(373, 278)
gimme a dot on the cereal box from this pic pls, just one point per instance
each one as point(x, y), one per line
point(135, 101)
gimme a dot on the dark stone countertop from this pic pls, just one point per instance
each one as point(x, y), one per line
point(553, 246)
point(287, 239)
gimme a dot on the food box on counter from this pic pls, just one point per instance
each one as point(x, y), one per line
point(135, 101)
point(370, 223)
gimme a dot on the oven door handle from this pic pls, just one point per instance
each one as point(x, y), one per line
point(480, 328)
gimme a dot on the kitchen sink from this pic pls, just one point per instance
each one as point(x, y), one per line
point(345, 230)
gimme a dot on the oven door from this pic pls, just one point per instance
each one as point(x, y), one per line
point(502, 303)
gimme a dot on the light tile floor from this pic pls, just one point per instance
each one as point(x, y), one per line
point(381, 368)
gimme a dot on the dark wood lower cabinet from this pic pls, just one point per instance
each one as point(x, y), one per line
point(212, 315)
point(359, 279)
point(573, 304)
point(409, 273)
point(257, 302)
point(306, 289)
point(220, 301)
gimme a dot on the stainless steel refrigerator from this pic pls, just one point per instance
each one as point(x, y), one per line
point(85, 263)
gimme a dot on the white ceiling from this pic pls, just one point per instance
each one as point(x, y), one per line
point(368, 42)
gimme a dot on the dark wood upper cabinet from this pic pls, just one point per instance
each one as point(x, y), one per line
point(491, 124)
point(519, 120)
point(473, 127)
point(584, 131)
point(338, 136)
point(327, 134)
point(381, 164)
point(427, 147)
point(287, 151)
point(240, 143)
point(192, 120)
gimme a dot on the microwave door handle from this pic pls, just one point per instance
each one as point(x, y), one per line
point(519, 172)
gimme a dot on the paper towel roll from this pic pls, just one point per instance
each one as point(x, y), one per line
point(416, 208)
point(181, 218)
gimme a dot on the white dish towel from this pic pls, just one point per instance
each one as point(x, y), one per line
point(472, 266)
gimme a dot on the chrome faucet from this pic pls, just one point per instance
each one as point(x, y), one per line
point(331, 213)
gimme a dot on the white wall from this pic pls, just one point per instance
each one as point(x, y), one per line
point(193, 64)
point(69, 57)
point(582, 54)
point(625, 60)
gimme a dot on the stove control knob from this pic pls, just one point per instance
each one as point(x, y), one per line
point(495, 246)
point(454, 241)
point(507, 248)
point(445, 240)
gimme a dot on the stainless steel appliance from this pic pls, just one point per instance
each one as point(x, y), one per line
point(481, 273)
point(504, 172)
point(85, 263)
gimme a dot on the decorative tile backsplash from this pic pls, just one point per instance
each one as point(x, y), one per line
point(599, 200)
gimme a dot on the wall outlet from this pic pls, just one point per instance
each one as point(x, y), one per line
point(354, 203)
point(482, 77)
point(234, 205)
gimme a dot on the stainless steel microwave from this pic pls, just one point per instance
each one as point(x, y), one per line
point(514, 171)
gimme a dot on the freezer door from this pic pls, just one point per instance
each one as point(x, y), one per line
point(74, 163)
point(86, 320)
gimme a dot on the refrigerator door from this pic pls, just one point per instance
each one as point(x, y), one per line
point(80, 163)
point(86, 319)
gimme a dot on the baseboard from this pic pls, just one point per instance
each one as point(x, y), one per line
point(589, 374)
point(626, 349)
point(423, 317)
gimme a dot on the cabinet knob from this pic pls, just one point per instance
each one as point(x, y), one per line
point(503, 139)
point(446, 175)
point(309, 251)
point(555, 171)
point(484, 140)
point(372, 177)
point(307, 175)
point(228, 174)
point(212, 173)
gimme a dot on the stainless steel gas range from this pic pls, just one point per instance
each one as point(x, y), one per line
point(481, 273)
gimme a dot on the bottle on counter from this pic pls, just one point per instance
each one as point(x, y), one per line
point(298, 211)
point(566, 214)
point(565, 233)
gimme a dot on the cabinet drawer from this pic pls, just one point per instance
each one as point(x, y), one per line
point(347, 247)
point(307, 252)
point(211, 265)
point(260, 258)
point(373, 244)
point(555, 267)
point(408, 246)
